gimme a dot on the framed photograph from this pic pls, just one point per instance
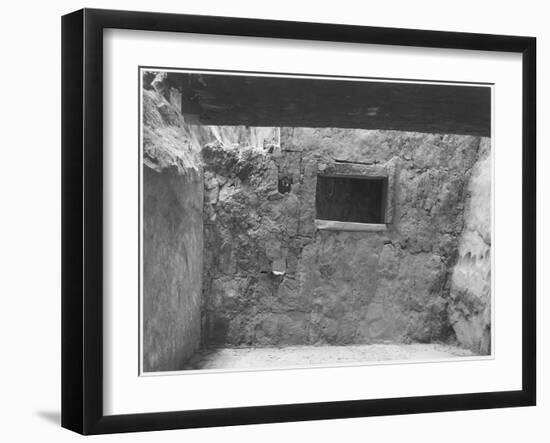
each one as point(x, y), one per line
point(269, 221)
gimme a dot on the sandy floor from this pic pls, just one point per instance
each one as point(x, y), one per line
point(245, 358)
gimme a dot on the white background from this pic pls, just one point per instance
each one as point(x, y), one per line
point(30, 223)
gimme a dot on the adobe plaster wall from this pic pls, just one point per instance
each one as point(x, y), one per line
point(272, 278)
point(470, 301)
point(172, 238)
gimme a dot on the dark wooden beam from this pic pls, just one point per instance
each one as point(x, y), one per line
point(278, 101)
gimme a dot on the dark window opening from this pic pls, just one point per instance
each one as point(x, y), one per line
point(351, 199)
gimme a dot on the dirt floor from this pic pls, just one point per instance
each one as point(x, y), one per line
point(292, 356)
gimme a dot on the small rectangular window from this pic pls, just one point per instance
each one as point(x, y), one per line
point(351, 199)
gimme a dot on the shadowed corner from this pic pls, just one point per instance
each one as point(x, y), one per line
point(53, 417)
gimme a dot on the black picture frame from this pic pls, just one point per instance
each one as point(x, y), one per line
point(82, 219)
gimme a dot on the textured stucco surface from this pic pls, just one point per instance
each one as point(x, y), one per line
point(172, 238)
point(271, 278)
point(470, 302)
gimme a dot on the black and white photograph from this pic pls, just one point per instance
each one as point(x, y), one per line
point(297, 221)
point(246, 221)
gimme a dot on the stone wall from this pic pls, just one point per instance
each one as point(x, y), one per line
point(172, 237)
point(470, 302)
point(272, 278)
